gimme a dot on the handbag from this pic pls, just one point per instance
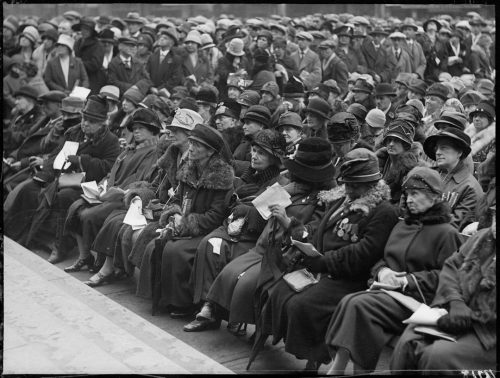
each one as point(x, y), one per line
point(300, 279)
point(71, 180)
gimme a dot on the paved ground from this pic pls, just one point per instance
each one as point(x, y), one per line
point(219, 345)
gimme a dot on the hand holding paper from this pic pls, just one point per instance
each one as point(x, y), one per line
point(134, 216)
point(273, 195)
point(69, 148)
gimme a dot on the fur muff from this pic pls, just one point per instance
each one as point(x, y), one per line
point(217, 175)
point(372, 198)
point(168, 211)
point(142, 189)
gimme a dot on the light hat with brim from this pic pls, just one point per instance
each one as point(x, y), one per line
point(185, 119)
point(72, 105)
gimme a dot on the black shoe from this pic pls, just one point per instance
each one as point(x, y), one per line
point(237, 329)
point(179, 313)
point(56, 257)
point(80, 263)
point(97, 265)
point(120, 274)
point(312, 366)
point(99, 279)
point(202, 325)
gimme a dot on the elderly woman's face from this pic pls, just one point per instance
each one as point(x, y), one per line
point(260, 158)
point(141, 133)
point(198, 151)
point(418, 201)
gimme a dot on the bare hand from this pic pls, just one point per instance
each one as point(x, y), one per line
point(279, 213)
point(35, 161)
point(390, 277)
point(16, 166)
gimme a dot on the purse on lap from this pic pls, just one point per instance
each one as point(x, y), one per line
point(300, 279)
point(71, 180)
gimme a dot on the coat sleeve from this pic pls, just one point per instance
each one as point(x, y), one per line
point(175, 77)
point(420, 68)
point(342, 76)
point(113, 77)
point(449, 286)
point(49, 78)
point(428, 280)
point(84, 78)
point(93, 61)
point(356, 259)
point(98, 167)
point(462, 212)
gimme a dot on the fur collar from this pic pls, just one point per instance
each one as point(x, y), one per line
point(217, 175)
point(438, 214)
point(481, 139)
point(369, 201)
point(169, 158)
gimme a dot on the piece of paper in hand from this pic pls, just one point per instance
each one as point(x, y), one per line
point(134, 216)
point(426, 315)
point(69, 148)
point(80, 92)
point(273, 195)
point(90, 189)
point(216, 243)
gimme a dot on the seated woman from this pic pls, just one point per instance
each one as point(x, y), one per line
point(115, 239)
point(290, 125)
point(232, 241)
point(132, 165)
point(199, 206)
point(414, 254)
point(449, 147)
point(311, 171)
point(482, 131)
point(467, 289)
point(351, 236)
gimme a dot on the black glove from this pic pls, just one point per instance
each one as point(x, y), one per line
point(458, 320)
point(74, 160)
point(315, 264)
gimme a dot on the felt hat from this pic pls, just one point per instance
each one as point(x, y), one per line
point(312, 160)
point(31, 33)
point(319, 107)
point(50, 34)
point(485, 86)
point(271, 87)
point(304, 35)
point(477, 21)
point(397, 35)
point(438, 90)
point(27, 91)
point(404, 78)
point(471, 98)
point(229, 108)
point(362, 86)
point(73, 105)
point(193, 36)
point(378, 30)
point(346, 30)
point(259, 114)
point(423, 178)
point(266, 34)
point(103, 20)
point(170, 32)
point(134, 95)
point(384, 89)
point(418, 86)
point(331, 86)
point(360, 166)
point(110, 92)
point(208, 136)
point(358, 110)
point(128, 41)
point(409, 23)
point(206, 41)
point(146, 117)
point(451, 119)
point(401, 130)
point(236, 47)
point(96, 107)
point(207, 95)
point(457, 136)
point(272, 142)
point(426, 23)
point(133, 18)
point(119, 23)
point(375, 118)
point(290, 119)
point(342, 127)
point(185, 119)
point(71, 15)
point(327, 44)
point(145, 39)
point(248, 98)
point(294, 88)
point(189, 103)
point(11, 23)
point(417, 104)
point(463, 24)
point(484, 107)
point(85, 21)
point(52, 96)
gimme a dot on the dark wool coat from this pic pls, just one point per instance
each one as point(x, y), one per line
point(54, 76)
point(203, 203)
point(354, 59)
point(224, 68)
point(301, 319)
point(379, 62)
point(122, 76)
point(365, 321)
point(479, 63)
point(470, 276)
point(91, 52)
point(457, 68)
point(166, 74)
point(21, 127)
point(336, 69)
point(202, 71)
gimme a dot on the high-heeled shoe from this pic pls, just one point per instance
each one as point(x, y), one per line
point(99, 279)
point(80, 263)
point(237, 329)
point(98, 263)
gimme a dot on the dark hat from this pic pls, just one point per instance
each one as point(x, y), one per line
point(423, 178)
point(27, 91)
point(458, 137)
point(264, 33)
point(119, 23)
point(358, 34)
point(73, 105)
point(409, 112)
point(438, 24)
point(235, 31)
point(404, 78)
point(344, 30)
point(189, 103)
point(319, 107)
point(484, 107)
point(451, 119)
point(179, 92)
point(471, 98)
point(361, 165)
point(248, 98)
point(418, 86)
point(317, 35)
point(477, 21)
point(401, 130)
point(438, 90)
point(106, 35)
point(362, 86)
point(85, 21)
point(51, 34)
point(327, 44)
point(258, 113)
point(52, 96)
point(207, 95)
point(134, 17)
point(272, 142)
point(342, 127)
point(229, 108)
point(312, 161)
point(96, 107)
point(127, 41)
point(145, 39)
point(261, 55)
point(208, 136)
point(146, 117)
point(279, 42)
point(271, 87)
point(384, 89)
point(378, 30)
point(358, 110)
point(291, 119)
point(103, 20)
point(134, 95)
point(293, 88)
point(171, 32)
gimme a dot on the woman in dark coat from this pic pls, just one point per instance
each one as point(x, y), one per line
point(311, 171)
point(467, 289)
point(414, 254)
point(134, 164)
point(233, 61)
point(351, 236)
point(241, 230)
point(199, 205)
point(97, 151)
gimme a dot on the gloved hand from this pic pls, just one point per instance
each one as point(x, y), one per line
point(315, 264)
point(240, 211)
point(74, 160)
point(458, 320)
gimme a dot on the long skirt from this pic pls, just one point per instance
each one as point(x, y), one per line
point(364, 323)
point(124, 242)
point(105, 240)
point(242, 308)
point(210, 261)
point(302, 319)
point(418, 352)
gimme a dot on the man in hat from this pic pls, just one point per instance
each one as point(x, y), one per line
point(402, 81)
point(165, 67)
point(362, 94)
point(333, 96)
point(428, 40)
point(332, 67)
point(91, 51)
point(413, 48)
point(403, 60)
point(353, 58)
point(207, 98)
point(134, 23)
point(125, 70)
point(196, 66)
point(381, 65)
point(307, 61)
point(144, 47)
point(72, 16)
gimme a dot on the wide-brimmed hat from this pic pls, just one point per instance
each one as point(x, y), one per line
point(397, 35)
point(236, 47)
point(293, 88)
point(259, 114)
point(134, 95)
point(133, 17)
point(11, 23)
point(401, 130)
point(485, 86)
point(272, 142)
point(484, 107)
point(458, 137)
point(358, 110)
point(378, 30)
point(291, 119)
point(385, 89)
point(472, 98)
point(27, 91)
point(319, 107)
point(229, 108)
point(171, 32)
point(66, 40)
point(146, 117)
point(85, 21)
point(362, 86)
point(312, 160)
point(72, 105)
point(451, 119)
point(342, 127)
point(360, 166)
point(207, 95)
point(72, 14)
point(52, 96)
point(423, 178)
point(31, 33)
point(207, 136)
point(193, 36)
point(96, 107)
point(409, 23)
point(206, 41)
point(438, 24)
point(128, 41)
point(185, 119)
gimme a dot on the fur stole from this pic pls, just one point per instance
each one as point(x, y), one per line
point(168, 163)
point(365, 204)
point(438, 214)
point(401, 166)
point(481, 139)
point(217, 175)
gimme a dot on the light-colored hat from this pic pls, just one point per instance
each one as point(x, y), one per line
point(305, 35)
point(66, 40)
point(236, 47)
point(186, 119)
point(375, 118)
point(193, 36)
point(110, 92)
point(463, 24)
point(31, 33)
point(359, 20)
point(206, 41)
point(444, 77)
point(397, 35)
